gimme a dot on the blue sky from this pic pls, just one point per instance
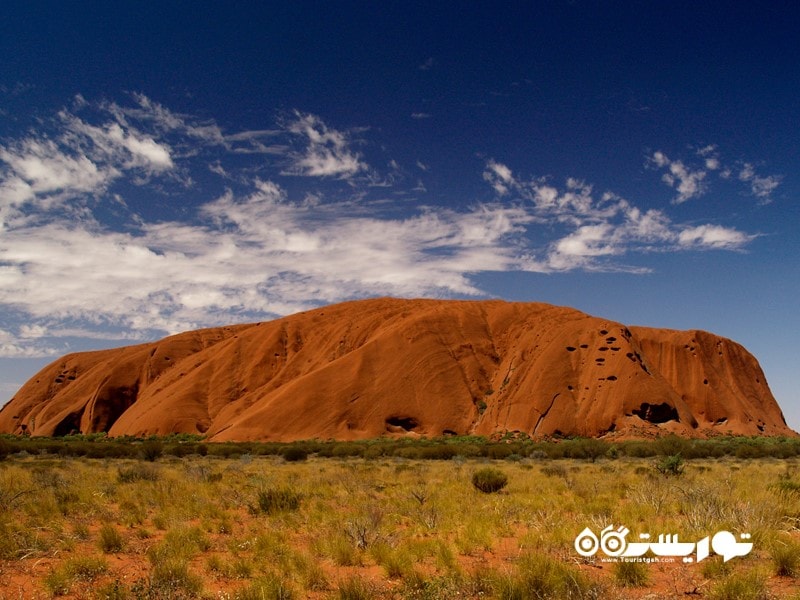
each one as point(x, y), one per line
point(197, 164)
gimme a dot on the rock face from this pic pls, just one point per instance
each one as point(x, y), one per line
point(403, 367)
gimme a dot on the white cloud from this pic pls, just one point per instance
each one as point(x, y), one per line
point(712, 236)
point(32, 331)
point(263, 247)
point(579, 247)
point(602, 226)
point(326, 153)
point(689, 183)
point(19, 346)
point(196, 134)
point(711, 157)
point(500, 177)
point(76, 161)
point(111, 143)
point(41, 167)
point(761, 187)
point(692, 183)
point(252, 255)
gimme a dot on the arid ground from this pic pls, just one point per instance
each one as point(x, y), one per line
point(388, 527)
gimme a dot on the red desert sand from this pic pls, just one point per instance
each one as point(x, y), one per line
point(387, 366)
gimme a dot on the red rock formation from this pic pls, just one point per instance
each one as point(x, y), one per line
point(367, 368)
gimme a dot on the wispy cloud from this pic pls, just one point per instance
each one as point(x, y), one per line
point(261, 246)
point(254, 250)
point(249, 256)
point(712, 236)
point(692, 182)
point(689, 183)
point(80, 161)
point(326, 151)
point(16, 345)
point(600, 226)
point(761, 187)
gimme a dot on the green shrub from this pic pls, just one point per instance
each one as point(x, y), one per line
point(785, 555)
point(83, 568)
point(631, 574)
point(355, 588)
point(489, 480)
point(749, 585)
point(275, 500)
point(171, 576)
point(498, 451)
point(86, 568)
point(58, 582)
point(137, 472)
point(670, 465)
point(152, 450)
point(589, 448)
point(5, 449)
point(541, 577)
point(716, 568)
point(179, 450)
point(555, 471)
point(295, 454)
point(110, 539)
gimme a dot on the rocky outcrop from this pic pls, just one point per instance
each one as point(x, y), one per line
point(408, 367)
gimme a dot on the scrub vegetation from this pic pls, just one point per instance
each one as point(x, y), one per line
point(89, 517)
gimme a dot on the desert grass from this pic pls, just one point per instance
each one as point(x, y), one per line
point(207, 526)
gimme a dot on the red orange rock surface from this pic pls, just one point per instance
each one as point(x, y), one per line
point(404, 367)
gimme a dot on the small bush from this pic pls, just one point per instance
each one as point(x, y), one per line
point(589, 448)
point(750, 585)
point(396, 563)
point(84, 568)
point(355, 588)
point(489, 480)
point(171, 576)
point(179, 450)
point(631, 574)
point(5, 449)
point(275, 500)
point(786, 558)
point(670, 465)
point(152, 450)
point(498, 451)
point(110, 539)
point(58, 582)
point(715, 568)
point(137, 472)
point(542, 577)
point(295, 454)
point(555, 471)
point(343, 552)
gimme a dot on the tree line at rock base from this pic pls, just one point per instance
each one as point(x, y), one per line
point(445, 448)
